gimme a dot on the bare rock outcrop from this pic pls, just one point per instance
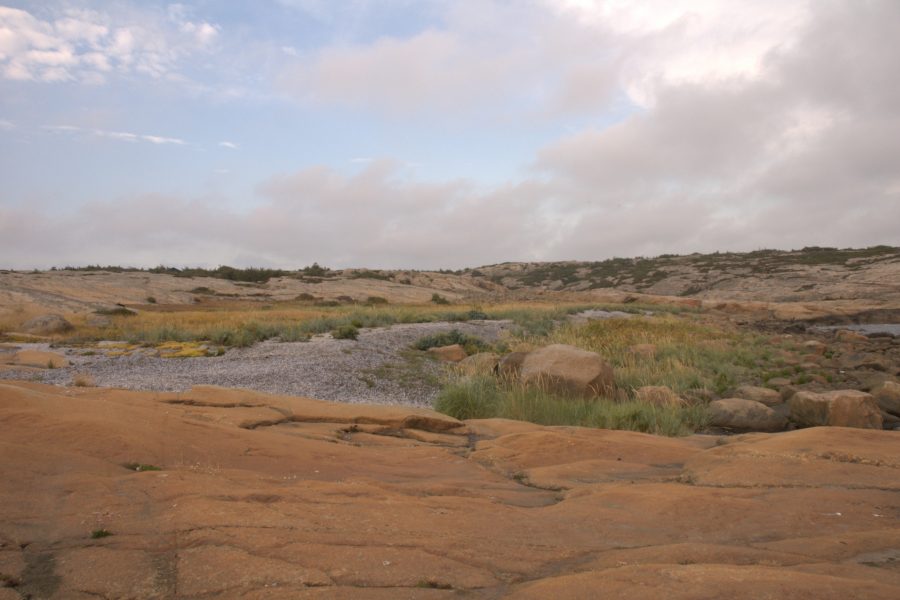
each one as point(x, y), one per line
point(264, 496)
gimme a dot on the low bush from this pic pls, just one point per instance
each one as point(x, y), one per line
point(472, 344)
point(345, 332)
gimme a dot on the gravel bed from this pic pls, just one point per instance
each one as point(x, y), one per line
point(323, 368)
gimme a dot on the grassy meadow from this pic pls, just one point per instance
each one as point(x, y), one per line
point(696, 356)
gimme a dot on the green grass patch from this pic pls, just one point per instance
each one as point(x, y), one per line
point(133, 466)
point(100, 533)
point(470, 343)
point(484, 397)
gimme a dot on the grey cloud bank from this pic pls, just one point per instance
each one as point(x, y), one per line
point(799, 146)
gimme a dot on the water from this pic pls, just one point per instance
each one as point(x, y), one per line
point(867, 328)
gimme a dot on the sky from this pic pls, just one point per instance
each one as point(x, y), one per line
point(443, 134)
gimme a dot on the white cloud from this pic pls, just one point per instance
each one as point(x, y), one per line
point(122, 136)
point(6, 125)
point(229, 145)
point(88, 46)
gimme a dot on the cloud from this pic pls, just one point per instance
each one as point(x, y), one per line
point(123, 136)
point(790, 138)
point(88, 46)
point(6, 125)
point(229, 145)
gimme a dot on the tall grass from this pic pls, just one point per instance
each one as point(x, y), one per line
point(483, 397)
point(690, 355)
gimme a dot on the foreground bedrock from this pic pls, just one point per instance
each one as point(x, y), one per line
point(262, 496)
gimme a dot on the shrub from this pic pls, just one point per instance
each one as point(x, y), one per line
point(438, 299)
point(372, 300)
point(345, 332)
point(100, 533)
point(83, 380)
point(133, 466)
point(151, 300)
point(472, 344)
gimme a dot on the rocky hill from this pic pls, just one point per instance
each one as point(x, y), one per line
point(807, 275)
point(810, 274)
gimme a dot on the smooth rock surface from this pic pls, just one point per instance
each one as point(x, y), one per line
point(766, 396)
point(264, 496)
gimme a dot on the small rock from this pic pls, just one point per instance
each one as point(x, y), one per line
point(779, 382)
point(47, 325)
point(451, 353)
point(745, 415)
point(482, 363)
point(852, 337)
point(659, 395)
point(509, 365)
point(887, 395)
point(762, 395)
point(839, 408)
point(815, 347)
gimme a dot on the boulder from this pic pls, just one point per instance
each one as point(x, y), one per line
point(510, 365)
point(47, 325)
point(887, 395)
point(482, 363)
point(568, 370)
point(660, 395)
point(451, 353)
point(745, 415)
point(779, 381)
point(762, 395)
point(839, 408)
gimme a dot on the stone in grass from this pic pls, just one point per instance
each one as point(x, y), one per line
point(839, 408)
point(482, 363)
point(510, 365)
point(739, 414)
point(766, 396)
point(568, 370)
point(451, 353)
point(659, 395)
point(47, 325)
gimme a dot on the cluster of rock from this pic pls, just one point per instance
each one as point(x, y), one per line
point(559, 368)
point(574, 372)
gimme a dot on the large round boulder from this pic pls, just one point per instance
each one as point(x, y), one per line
point(839, 408)
point(887, 395)
point(568, 370)
point(739, 414)
point(51, 324)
